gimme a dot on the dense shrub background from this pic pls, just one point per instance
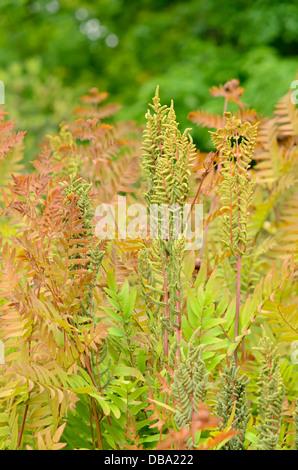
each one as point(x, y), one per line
point(53, 51)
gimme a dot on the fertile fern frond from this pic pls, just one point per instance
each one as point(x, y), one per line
point(232, 399)
point(160, 277)
point(190, 385)
point(168, 156)
point(167, 159)
point(235, 142)
point(271, 396)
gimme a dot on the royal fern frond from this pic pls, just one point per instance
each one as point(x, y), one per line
point(235, 142)
point(190, 385)
point(271, 396)
point(233, 400)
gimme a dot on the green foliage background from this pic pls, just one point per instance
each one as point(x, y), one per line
point(53, 51)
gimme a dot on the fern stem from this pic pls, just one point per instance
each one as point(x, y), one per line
point(167, 308)
point(238, 292)
point(239, 259)
point(166, 343)
point(212, 206)
point(201, 182)
point(95, 415)
point(91, 427)
point(22, 426)
point(88, 366)
point(97, 425)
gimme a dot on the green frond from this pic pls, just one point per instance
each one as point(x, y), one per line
point(233, 399)
point(167, 157)
point(271, 396)
point(190, 385)
point(235, 142)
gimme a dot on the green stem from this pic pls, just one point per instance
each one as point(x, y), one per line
point(22, 426)
point(238, 292)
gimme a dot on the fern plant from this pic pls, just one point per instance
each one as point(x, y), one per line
point(114, 344)
point(235, 142)
point(166, 163)
point(232, 404)
point(189, 388)
point(271, 396)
